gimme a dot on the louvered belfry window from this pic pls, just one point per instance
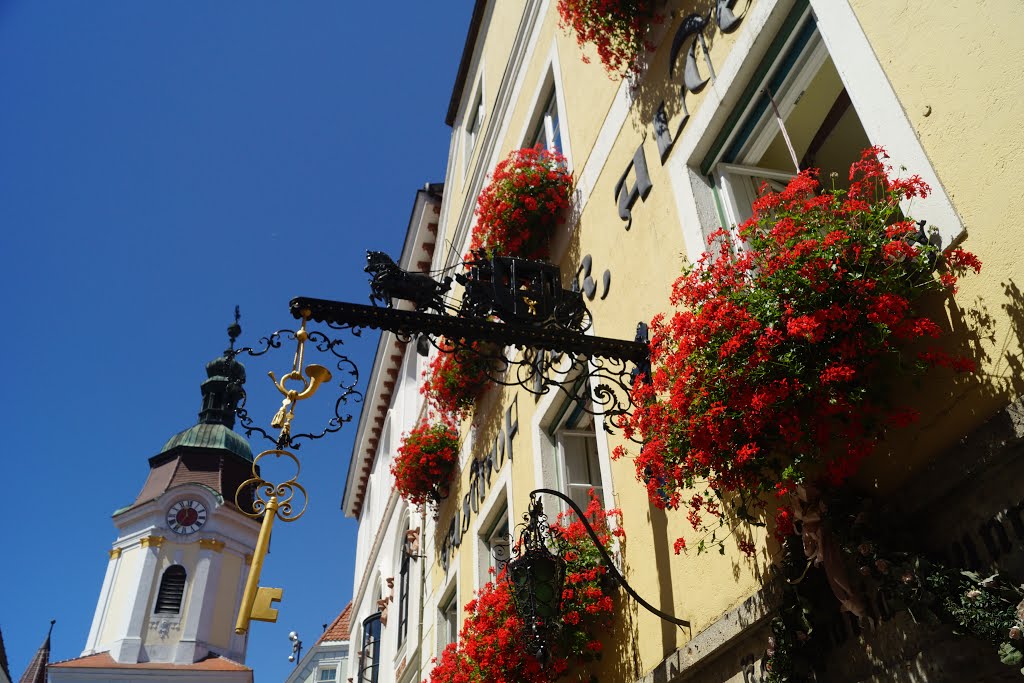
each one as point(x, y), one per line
point(172, 590)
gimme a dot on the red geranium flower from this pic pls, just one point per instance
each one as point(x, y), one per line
point(425, 461)
point(518, 210)
point(773, 371)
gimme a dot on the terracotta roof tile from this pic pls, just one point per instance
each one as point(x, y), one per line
point(340, 629)
point(103, 660)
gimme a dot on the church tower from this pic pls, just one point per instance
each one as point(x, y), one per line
point(176, 572)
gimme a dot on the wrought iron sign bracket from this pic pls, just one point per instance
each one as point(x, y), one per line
point(409, 324)
point(611, 366)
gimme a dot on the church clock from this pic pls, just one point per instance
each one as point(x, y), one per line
point(186, 516)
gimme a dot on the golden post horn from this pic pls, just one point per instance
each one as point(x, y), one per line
point(318, 374)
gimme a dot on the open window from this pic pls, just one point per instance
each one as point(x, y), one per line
point(578, 463)
point(547, 128)
point(812, 124)
point(403, 590)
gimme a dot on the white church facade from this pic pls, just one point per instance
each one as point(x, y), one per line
point(176, 572)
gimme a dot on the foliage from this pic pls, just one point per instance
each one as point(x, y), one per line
point(490, 646)
point(615, 27)
point(988, 609)
point(426, 458)
point(456, 379)
point(519, 209)
point(492, 639)
point(775, 369)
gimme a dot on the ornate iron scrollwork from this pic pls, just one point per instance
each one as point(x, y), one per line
point(514, 313)
point(348, 380)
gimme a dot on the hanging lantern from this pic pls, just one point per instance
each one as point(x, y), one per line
point(536, 575)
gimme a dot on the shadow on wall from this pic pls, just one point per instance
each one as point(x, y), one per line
point(661, 85)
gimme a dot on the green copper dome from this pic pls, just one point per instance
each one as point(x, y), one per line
point(221, 390)
point(211, 436)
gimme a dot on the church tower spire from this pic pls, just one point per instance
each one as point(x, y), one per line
point(176, 572)
point(223, 386)
point(36, 671)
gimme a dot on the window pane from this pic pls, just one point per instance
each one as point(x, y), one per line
point(449, 625)
point(497, 545)
point(328, 675)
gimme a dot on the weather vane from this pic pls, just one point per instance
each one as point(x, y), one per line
point(272, 500)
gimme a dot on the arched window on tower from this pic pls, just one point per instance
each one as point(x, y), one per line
point(172, 590)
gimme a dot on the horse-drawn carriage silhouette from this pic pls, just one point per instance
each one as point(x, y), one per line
point(518, 290)
point(513, 290)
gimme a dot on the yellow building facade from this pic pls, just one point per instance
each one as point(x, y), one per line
point(659, 162)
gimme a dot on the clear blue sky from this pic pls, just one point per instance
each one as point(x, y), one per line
point(161, 162)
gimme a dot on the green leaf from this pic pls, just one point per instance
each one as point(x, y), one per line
point(1009, 655)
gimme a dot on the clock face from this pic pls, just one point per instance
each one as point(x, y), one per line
point(186, 516)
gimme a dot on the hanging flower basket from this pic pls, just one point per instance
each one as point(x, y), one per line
point(492, 642)
point(775, 369)
point(526, 199)
point(425, 462)
point(615, 27)
point(456, 379)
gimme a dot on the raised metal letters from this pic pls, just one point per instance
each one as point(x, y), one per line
point(626, 198)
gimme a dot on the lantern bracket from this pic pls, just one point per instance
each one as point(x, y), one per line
point(609, 563)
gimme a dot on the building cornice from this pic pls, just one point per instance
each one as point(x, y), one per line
point(467, 57)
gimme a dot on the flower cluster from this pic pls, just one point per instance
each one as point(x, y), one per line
point(521, 206)
point(615, 27)
point(425, 461)
point(775, 369)
point(455, 379)
point(587, 604)
point(491, 646)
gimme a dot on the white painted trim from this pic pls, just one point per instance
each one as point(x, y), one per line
point(881, 113)
point(872, 96)
point(552, 78)
point(500, 492)
point(508, 91)
point(609, 133)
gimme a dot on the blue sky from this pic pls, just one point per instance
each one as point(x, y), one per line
point(161, 162)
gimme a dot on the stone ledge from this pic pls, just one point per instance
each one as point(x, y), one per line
point(720, 636)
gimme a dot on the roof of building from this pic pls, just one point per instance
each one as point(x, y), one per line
point(210, 436)
point(103, 660)
point(467, 57)
point(36, 671)
point(417, 252)
point(4, 668)
point(340, 628)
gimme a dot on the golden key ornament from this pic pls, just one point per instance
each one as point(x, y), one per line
point(271, 500)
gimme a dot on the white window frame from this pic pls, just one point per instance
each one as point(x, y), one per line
point(880, 112)
point(497, 503)
point(548, 468)
point(496, 536)
point(550, 84)
point(561, 436)
point(475, 116)
point(545, 125)
point(447, 630)
point(323, 669)
point(739, 187)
